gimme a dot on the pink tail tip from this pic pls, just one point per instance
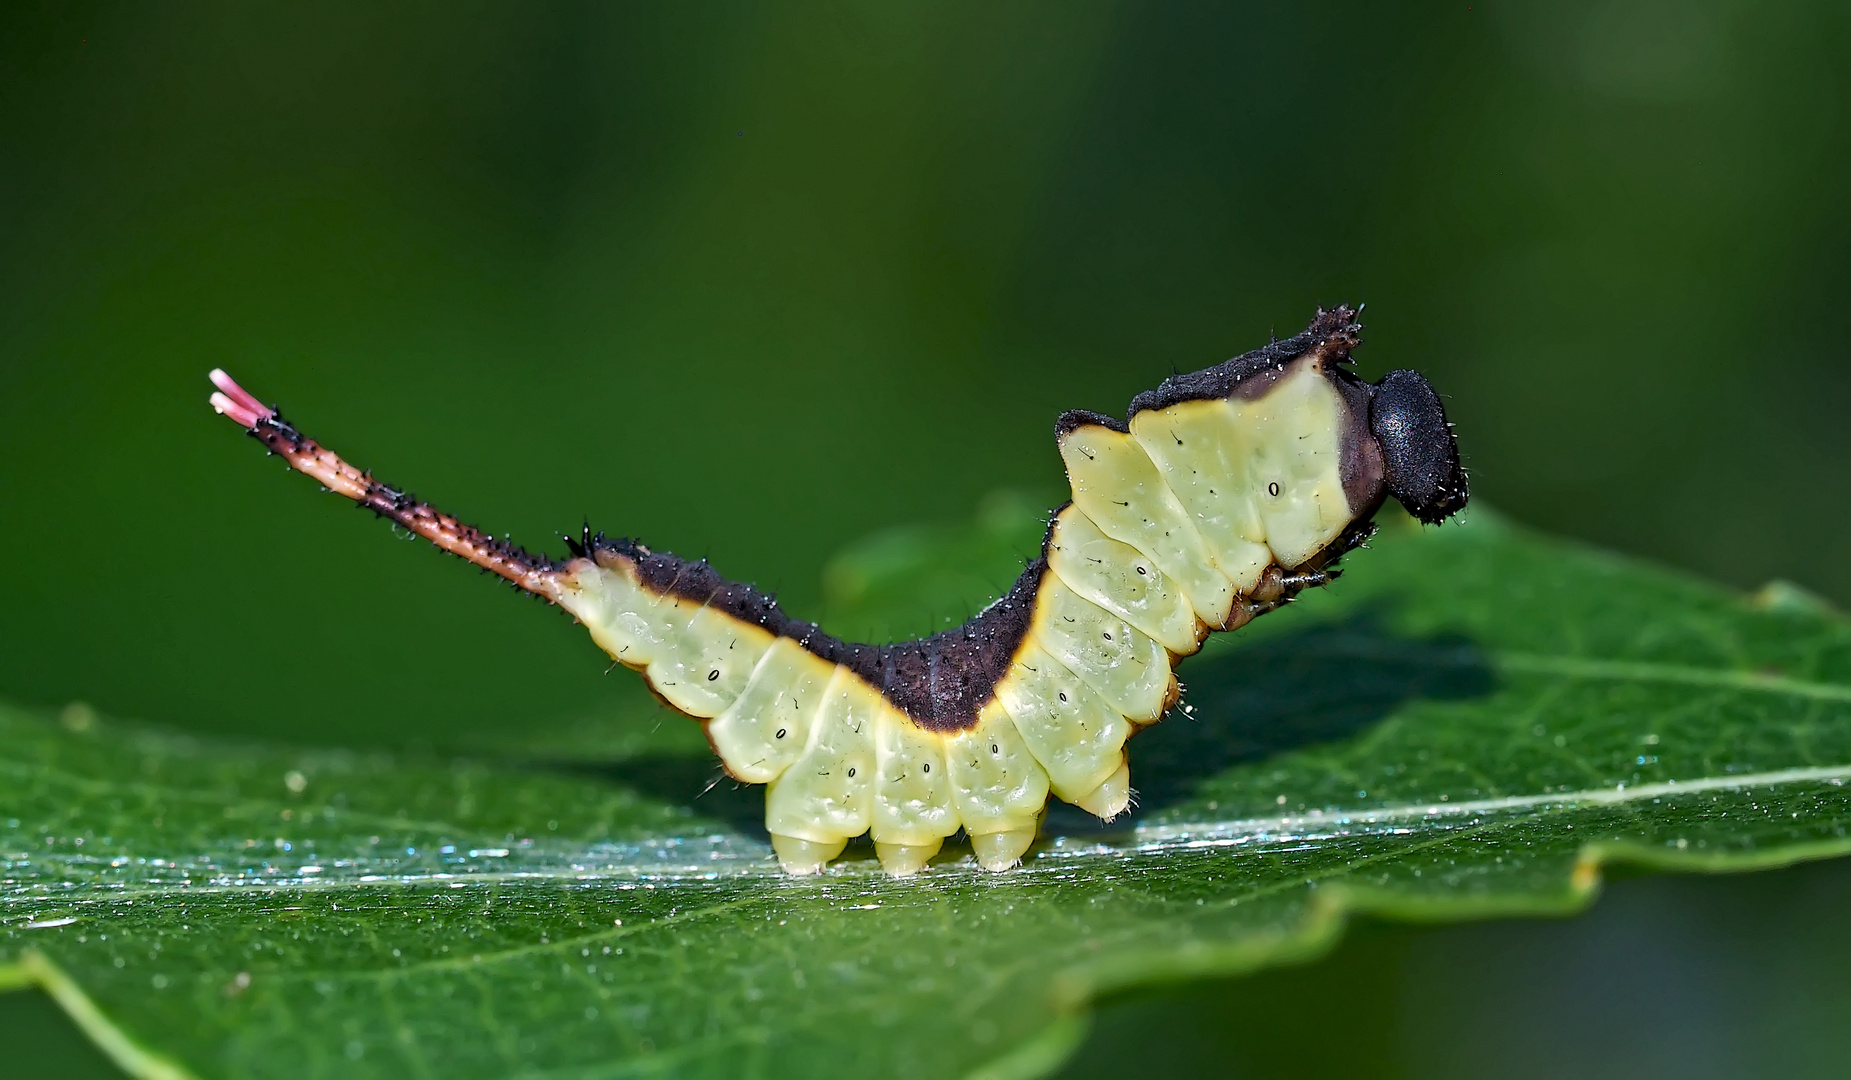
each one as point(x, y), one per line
point(236, 402)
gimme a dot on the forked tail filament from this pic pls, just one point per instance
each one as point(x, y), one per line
point(534, 573)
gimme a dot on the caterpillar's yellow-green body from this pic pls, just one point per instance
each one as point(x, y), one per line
point(1224, 493)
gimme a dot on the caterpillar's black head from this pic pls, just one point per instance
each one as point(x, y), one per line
point(1419, 453)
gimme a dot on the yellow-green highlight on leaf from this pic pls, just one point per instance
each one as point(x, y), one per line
point(14, 976)
point(1471, 723)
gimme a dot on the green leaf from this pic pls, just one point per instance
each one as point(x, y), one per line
point(1470, 723)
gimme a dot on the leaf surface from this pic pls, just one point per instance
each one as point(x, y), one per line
point(1468, 724)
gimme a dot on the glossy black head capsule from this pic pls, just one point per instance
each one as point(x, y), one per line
point(1419, 453)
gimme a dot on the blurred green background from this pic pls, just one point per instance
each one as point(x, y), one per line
point(751, 282)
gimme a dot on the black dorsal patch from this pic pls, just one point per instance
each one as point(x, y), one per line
point(1333, 333)
point(940, 682)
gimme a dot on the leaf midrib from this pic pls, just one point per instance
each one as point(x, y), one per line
point(1166, 839)
point(1146, 840)
point(1249, 828)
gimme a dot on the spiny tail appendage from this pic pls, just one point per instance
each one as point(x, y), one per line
point(266, 425)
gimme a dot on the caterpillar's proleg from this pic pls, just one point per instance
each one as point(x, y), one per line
point(1113, 795)
point(1001, 851)
point(905, 860)
point(1222, 495)
point(803, 857)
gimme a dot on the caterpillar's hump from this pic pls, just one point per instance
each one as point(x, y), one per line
point(1268, 475)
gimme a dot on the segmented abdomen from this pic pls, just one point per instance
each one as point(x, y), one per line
point(1210, 505)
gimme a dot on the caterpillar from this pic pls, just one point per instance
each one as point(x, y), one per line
point(1221, 495)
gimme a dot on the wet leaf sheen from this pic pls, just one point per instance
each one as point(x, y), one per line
point(1468, 724)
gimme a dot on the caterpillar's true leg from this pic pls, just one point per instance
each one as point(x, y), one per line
point(1309, 579)
point(530, 572)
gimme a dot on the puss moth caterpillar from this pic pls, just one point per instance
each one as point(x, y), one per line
point(1220, 496)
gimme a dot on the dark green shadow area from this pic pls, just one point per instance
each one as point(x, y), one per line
point(1320, 683)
